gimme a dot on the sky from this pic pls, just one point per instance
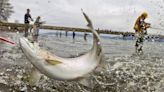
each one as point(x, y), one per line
point(118, 15)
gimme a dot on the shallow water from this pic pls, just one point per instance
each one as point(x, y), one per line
point(123, 72)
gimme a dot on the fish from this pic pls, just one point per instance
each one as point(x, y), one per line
point(64, 69)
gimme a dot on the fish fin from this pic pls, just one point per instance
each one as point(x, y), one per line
point(90, 25)
point(34, 77)
point(49, 58)
point(86, 82)
point(87, 19)
point(103, 64)
point(52, 61)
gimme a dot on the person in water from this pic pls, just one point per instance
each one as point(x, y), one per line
point(27, 18)
point(85, 36)
point(36, 28)
point(73, 34)
point(140, 28)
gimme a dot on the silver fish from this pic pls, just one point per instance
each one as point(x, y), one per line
point(59, 68)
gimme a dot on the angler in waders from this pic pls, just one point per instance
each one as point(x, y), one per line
point(140, 28)
point(36, 28)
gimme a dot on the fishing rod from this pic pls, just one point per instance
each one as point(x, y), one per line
point(6, 40)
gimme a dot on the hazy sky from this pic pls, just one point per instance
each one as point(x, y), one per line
point(105, 14)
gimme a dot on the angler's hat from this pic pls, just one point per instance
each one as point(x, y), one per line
point(144, 14)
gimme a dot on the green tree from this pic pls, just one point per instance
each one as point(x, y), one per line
point(5, 10)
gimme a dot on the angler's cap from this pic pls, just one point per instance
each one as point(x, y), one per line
point(144, 14)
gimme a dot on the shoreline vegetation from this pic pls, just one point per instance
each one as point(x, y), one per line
point(14, 27)
point(6, 10)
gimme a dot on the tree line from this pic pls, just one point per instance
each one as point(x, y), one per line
point(6, 9)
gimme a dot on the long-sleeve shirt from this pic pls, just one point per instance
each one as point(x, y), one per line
point(26, 18)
